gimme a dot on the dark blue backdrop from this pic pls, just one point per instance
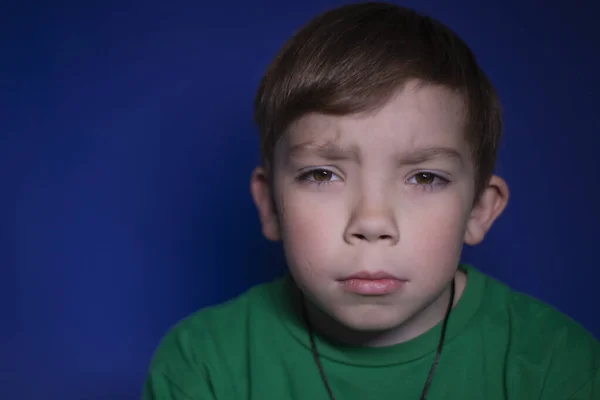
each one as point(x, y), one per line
point(126, 145)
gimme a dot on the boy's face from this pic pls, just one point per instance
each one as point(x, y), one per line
point(388, 192)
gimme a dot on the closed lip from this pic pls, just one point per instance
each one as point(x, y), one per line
point(372, 276)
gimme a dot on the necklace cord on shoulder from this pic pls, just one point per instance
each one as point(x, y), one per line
point(317, 358)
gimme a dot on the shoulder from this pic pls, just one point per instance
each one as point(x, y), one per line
point(543, 339)
point(568, 354)
point(197, 348)
point(538, 323)
point(205, 329)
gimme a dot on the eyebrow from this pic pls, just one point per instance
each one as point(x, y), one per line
point(328, 150)
point(336, 152)
point(422, 155)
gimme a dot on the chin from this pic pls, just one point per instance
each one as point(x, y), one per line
point(374, 321)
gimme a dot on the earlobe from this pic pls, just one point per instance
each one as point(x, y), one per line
point(491, 204)
point(260, 188)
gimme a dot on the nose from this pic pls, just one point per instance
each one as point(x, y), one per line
point(371, 223)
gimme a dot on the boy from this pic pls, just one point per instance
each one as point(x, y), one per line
point(379, 137)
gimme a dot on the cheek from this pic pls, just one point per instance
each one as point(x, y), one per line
point(435, 233)
point(311, 230)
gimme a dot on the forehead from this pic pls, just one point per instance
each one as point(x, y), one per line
point(418, 115)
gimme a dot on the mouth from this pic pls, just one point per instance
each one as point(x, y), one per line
point(372, 283)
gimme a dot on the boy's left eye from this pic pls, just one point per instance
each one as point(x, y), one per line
point(427, 179)
point(321, 175)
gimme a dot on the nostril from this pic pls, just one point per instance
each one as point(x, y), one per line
point(359, 236)
point(385, 237)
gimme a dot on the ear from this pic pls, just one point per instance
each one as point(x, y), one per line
point(488, 208)
point(263, 199)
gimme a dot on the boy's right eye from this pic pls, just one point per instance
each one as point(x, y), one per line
point(319, 175)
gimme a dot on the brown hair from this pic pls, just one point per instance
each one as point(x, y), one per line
point(355, 57)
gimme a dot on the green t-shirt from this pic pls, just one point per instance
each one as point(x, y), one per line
point(500, 344)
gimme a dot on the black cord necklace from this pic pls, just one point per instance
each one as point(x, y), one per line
point(317, 359)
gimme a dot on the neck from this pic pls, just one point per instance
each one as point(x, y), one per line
point(328, 327)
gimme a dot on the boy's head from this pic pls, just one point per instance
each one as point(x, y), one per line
point(379, 138)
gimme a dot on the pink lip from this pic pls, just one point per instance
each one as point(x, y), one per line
point(372, 283)
point(372, 276)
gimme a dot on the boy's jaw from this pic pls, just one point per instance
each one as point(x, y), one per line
point(413, 326)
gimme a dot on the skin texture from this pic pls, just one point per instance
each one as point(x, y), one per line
point(386, 191)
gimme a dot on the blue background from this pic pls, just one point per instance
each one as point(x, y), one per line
point(126, 146)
